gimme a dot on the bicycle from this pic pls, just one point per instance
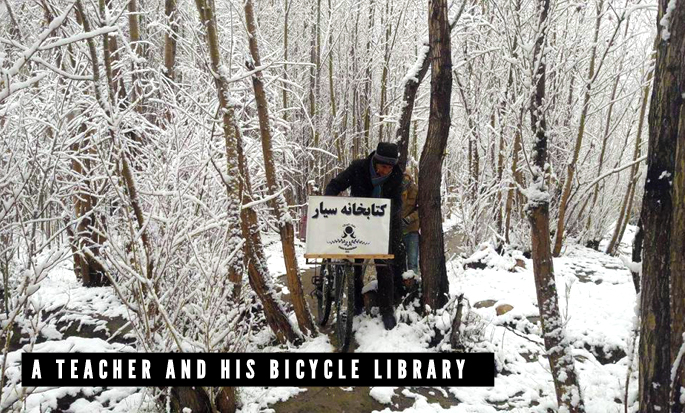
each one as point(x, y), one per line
point(335, 283)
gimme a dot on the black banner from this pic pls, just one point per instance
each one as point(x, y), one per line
point(257, 369)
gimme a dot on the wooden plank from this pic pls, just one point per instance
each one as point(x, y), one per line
point(350, 256)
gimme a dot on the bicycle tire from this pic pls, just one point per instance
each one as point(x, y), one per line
point(344, 305)
point(324, 296)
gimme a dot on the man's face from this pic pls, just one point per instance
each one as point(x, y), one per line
point(383, 169)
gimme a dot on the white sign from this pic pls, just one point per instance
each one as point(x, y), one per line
point(344, 225)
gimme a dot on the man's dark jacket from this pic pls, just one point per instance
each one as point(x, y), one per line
point(357, 177)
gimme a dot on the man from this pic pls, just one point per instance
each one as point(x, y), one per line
point(410, 222)
point(378, 176)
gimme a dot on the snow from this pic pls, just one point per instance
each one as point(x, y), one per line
point(41, 398)
point(631, 265)
point(15, 86)
point(487, 255)
point(383, 394)
point(597, 306)
point(81, 36)
point(409, 275)
point(373, 338)
point(598, 312)
point(665, 21)
point(537, 194)
point(177, 129)
point(372, 286)
point(678, 359)
point(413, 73)
point(259, 397)
point(597, 316)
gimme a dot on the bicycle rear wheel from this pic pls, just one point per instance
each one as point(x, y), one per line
point(344, 305)
point(324, 294)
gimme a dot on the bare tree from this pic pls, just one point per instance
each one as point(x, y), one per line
point(558, 349)
point(278, 204)
point(662, 365)
point(435, 285)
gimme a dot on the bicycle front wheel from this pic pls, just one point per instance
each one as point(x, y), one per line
point(324, 295)
point(344, 305)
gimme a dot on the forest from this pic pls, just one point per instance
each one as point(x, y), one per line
point(156, 159)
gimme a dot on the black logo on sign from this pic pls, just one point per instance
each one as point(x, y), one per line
point(348, 241)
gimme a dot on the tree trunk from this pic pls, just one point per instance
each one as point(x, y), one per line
point(500, 156)
point(662, 271)
point(559, 352)
point(170, 39)
point(146, 267)
point(412, 80)
point(356, 136)
point(117, 78)
point(142, 261)
point(499, 217)
point(368, 80)
point(258, 271)
point(512, 189)
point(106, 51)
point(432, 250)
point(473, 143)
point(197, 400)
point(637, 254)
point(284, 89)
point(134, 32)
point(86, 267)
point(678, 246)
point(86, 240)
point(314, 71)
point(331, 91)
point(193, 398)
point(279, 204)
point(227, 400)
point(384, 74)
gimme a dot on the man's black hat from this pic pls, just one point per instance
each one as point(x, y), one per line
point(386, 153)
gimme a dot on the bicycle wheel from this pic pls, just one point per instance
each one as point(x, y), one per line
point(324, 295)
point(344, 305)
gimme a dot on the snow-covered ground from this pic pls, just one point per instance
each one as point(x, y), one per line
point(85, 311)
point(597, 301)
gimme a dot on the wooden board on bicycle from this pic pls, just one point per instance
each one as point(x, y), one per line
point(340, 231)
